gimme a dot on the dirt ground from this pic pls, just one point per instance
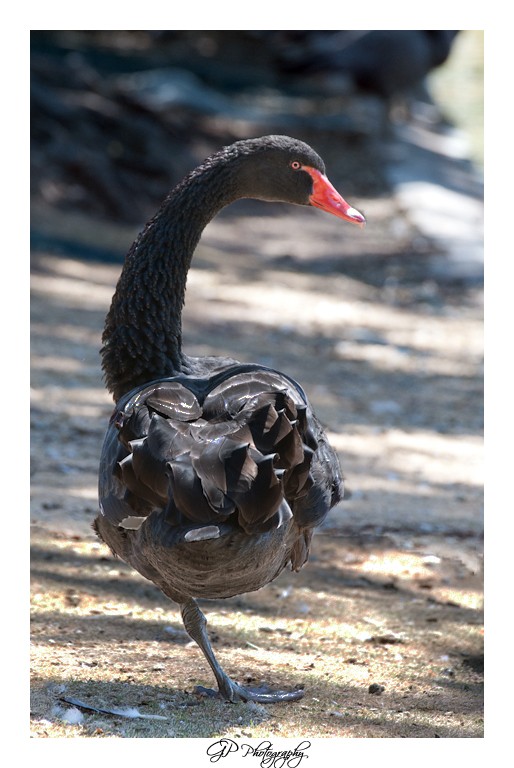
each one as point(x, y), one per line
point(383, 626)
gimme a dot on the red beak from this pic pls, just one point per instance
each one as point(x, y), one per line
point(326, 197)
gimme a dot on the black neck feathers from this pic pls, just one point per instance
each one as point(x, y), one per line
point(142, 339)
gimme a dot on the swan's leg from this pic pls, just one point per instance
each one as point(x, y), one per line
point(196, 627)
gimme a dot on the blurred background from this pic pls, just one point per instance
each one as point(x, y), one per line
point(382, 327)
point(117, 117)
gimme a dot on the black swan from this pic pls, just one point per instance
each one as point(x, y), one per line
point(213, 473)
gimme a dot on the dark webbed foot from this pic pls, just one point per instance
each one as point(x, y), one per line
point(262, 694)
point(195, 624)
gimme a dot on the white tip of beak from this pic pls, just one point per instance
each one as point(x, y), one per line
point(354, 214)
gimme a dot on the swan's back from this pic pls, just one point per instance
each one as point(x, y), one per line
point(239, 453)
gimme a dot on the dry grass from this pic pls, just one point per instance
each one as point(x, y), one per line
point(102, 634)
point(392, 595)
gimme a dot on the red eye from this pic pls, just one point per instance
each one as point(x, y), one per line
point(295, 165)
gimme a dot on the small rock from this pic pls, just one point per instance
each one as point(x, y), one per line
point(476, 663)
point(388, 638)
point(376, 689)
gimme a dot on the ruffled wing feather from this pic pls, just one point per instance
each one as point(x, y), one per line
point(248, 450)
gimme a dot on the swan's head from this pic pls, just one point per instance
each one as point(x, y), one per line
point(283, 169)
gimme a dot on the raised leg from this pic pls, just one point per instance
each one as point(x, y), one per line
point(196, 627)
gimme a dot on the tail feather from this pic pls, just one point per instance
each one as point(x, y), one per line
point(259, 503)
point(189, 493)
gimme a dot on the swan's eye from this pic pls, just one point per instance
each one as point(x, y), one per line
point(295, 165)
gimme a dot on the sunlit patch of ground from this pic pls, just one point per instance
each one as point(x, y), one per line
point(351, 619)
point(392, 594)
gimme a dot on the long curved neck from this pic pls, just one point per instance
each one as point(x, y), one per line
point(142, 339)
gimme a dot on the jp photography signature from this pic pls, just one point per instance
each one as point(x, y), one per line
point(269, 758)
